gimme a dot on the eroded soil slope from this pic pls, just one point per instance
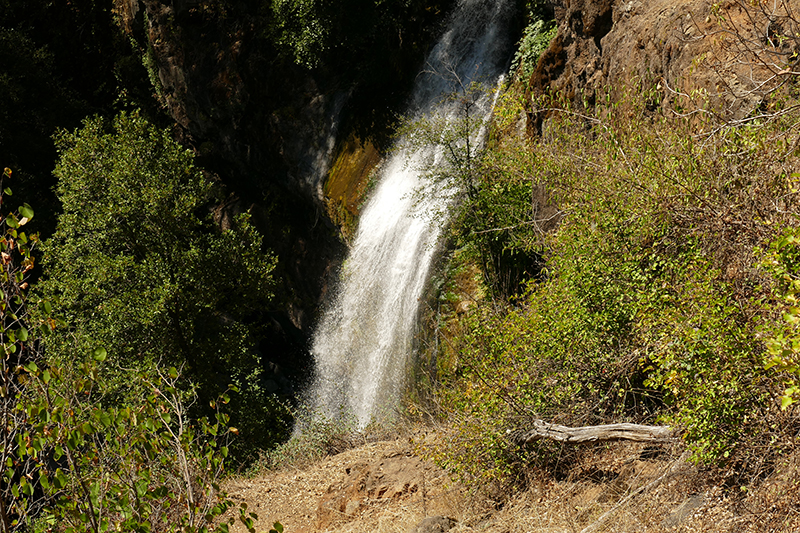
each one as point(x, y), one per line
point(623, 487)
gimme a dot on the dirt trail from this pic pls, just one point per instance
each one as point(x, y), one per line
point(384, 487)
point(376, 487)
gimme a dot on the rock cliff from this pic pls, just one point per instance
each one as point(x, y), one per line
point(266, 127)
point(688, 50)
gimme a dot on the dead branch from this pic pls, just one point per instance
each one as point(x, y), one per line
point(608, 432)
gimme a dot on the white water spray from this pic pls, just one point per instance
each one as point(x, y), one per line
point(364, 342)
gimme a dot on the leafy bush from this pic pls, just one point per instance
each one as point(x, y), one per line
point(136, 267)
point(19, 347)
point(143, 467)
point(782, 261)
point(73, 458)
point(650, 299)
point(535, 40)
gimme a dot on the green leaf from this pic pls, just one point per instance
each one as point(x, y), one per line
point(22, 334)
point(60, 480)
point(26, 211)
point(27, 488)
point(99, 354)
point(786, 401)
point(7, 191)
point(43, 479)
point(104, 418)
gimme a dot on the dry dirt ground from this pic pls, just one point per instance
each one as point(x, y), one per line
point(385, 487)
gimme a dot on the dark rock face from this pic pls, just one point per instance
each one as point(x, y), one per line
point(573, 60)
point(247, 111)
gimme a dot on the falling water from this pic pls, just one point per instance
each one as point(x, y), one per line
point(364, 342)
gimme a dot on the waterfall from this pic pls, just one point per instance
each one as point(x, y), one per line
point(364, 341)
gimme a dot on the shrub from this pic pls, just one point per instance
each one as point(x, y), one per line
point(782, 261)
point(73, 458)
point(137, 267)
point(649, 303)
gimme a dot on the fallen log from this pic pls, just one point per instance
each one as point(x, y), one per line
point(608, 432)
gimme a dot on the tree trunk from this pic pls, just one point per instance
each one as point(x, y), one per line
point(633, 432)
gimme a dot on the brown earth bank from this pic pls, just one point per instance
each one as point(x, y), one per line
point(388, 486)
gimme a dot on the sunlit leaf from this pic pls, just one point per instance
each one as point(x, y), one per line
point(26, 211)
point(99, 354)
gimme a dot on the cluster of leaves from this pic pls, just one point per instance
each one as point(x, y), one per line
point(144, 467)
point(782, 261)
point(135, 267)
point(315, 31)
point(535, 40)
point(652, 293)
point(17, 348)
point(72, 456)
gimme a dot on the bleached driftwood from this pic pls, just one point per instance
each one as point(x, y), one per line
point(608, 432)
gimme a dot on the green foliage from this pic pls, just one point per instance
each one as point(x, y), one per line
point(536, 9)
point(74, 460)
point(535, 40)
point(314, 32)
point(650, 300)
point(19, 349)
point(151, 65)
point(705, 361)
point(304, 28)
point(135, 268)
point(143, 467)
point(782, 261)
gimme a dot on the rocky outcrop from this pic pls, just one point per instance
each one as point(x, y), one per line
point(687, 50)
point(251, 115)
point(391, 478)
point(572, 62)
